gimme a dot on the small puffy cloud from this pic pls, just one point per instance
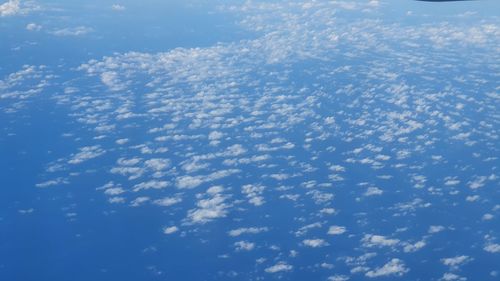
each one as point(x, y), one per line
point(72, 31)
point(157, 164)
point(188, 182)
point(279, 267)
point(16, 7)
point(170, 230)
point(118, 7)
point(336, 230)
point(455, 262)
point(394, 267)
point(371, 240)
point(26, 211)
point(410, 248)
point(86, 153)
point(338, 278)
point(208, 209)
point(487, 217)
point(215, 135)
point(110, 79)
point(10, 8)
point(492, 248)
point(122, 141)
point(247, 230)
point(113, 191)
point(152, 184)
point(54, 182)
point(167, 201)
point(435, 229)
point(244, 246)
point(452, 277)
point(253, 193)
point(139, 201)
point(372, 191)
point(116, 200)
point(315, 243)
point(33, 27)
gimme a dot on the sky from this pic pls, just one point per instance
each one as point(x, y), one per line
point(249, 140)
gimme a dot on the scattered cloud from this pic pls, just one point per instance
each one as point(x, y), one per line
point(72, 31)
point(395, 267)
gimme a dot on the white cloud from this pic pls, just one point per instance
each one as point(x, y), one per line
point(279, 267)
point(167, 201)
point(116, 200)
point(152, 184)
point(10, 8)
point(72, 31)
point(336, 230)
point(139, 201)
point(315, 243)
point(372, 191)
point(253, 193)
point(338, 278)
point(33, 27)
point(113, 191)
point(108, 78)
point(370, 240)
point(244, 246)
point(410, 248)
point(435, 229)
point(452, 277)
point(170, 230)
point(247, 230)
point(492, 248)
point(394, 267)
point(118, 7)
point(54, 182)
point(86, 153)
point(208, 209)
point(188, 182)
point(455, 262)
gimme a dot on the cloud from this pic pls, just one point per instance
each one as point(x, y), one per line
point(10, 8)
point(492, 248)
point(33, 27)
point(139, 201)
point(435, 229)
point(54, 182)
point(372, 191)
point(452, 277)
point(455, 262)
point(410, 248)
point(247, 230)
point(338, 278)
point(244, 246)
point(167, 201)
point(170, 230)
point(336, 230)
point(253, 193)
point(86, 153)
point(152, 184)
point(117, 7)
point(279, 267)
point(72, 31)
point(394, 267)
point(189, 182)
point(315, 243)
point(208, 209)
point(370, 240)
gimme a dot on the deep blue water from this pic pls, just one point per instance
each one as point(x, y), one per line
point(380, 117)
